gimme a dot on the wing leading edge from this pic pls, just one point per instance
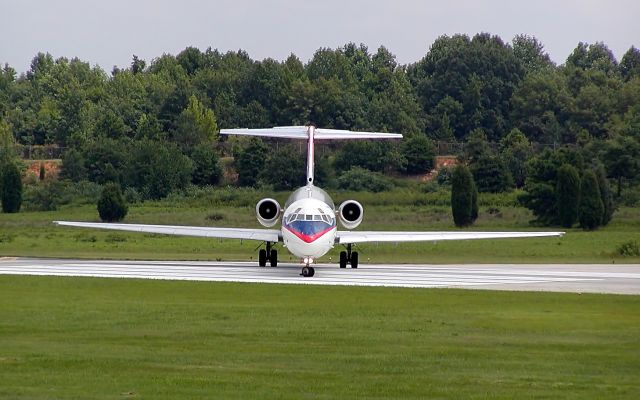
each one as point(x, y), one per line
point(346, 237)
point(267, 235)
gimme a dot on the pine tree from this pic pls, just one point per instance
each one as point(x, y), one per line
point(567, 195)
point(591, 209)
point(11, 188)
point(606, 195)
point(111, 206)
point(462, 196)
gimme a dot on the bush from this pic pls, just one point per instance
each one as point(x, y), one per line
point(629, 249)
point(464, 197)
point(591, 209)
point(360, 179)
point(567, 195)
point(10, 188)
point(111, 205)
point(420, 154)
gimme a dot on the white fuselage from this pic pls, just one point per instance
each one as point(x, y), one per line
point(309, 223)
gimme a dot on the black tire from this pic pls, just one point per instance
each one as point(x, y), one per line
point(273, 260)
point(262, 258)
point(312, 272)
point(354, 259)
point(343, 259)
point(306, 271)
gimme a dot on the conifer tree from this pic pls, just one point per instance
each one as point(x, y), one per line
point(11, 188)
point(567, 195)
point(111, 206)
point(591, 209)
point(462, 196)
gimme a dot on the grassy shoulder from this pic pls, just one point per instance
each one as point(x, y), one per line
point(32, 233)
point(110, 338)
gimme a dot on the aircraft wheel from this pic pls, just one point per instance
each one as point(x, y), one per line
point(262, 258)
point(307, 272)
point(273, 259)
point(354, 259)
point(312, 271)
point(343, 259)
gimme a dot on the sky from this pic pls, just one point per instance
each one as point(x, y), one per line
point(109, 33)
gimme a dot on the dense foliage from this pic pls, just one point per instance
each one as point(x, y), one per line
point(567, 195)
point(590, 208)
point(10, 188)
point(154, 127)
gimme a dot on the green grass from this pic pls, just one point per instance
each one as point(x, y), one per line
point(33, 234)
point(90, 338)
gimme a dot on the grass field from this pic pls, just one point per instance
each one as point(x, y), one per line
point(33, 234)
point(86, 338)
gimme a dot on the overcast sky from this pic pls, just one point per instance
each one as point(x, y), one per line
point(109, 32)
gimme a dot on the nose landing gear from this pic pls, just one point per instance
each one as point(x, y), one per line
point(308, 272)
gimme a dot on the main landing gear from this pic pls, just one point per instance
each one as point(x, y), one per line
point(349, 257)
point(272, 256)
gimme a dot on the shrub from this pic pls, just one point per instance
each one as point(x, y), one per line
point(567, 195)
point(591, 209)
point(464, 198)
point(420, 154)
point(360, 179)
point(629, 249)
point(10, 188)
point(111, 205)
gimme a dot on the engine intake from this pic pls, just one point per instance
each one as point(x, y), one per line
point(350, 213)
point(268, 211)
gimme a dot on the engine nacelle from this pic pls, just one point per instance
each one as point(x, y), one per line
point(350, 213)
point(268, 211)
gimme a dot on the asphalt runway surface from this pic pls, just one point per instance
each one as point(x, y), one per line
point(577, 278)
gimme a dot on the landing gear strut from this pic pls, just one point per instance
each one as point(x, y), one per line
point(268, 253)
point(349, 257)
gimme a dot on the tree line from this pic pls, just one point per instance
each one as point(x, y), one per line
point(153, 127)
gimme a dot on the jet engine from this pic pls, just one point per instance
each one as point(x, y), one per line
point(350, 213)
point(268, 211)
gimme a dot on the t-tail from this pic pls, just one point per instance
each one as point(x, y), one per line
point(310, 133)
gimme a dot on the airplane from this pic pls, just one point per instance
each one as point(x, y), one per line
point(309, 217)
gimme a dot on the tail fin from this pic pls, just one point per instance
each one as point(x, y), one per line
point(310, 133)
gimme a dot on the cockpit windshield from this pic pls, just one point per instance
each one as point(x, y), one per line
point(320, 217)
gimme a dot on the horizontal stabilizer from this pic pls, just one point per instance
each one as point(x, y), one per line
point(302, 132)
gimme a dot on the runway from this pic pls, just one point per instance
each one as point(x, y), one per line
point(577, 278)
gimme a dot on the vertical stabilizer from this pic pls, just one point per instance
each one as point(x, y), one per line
point(310, 155)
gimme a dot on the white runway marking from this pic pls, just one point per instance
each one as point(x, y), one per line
point(565, 278)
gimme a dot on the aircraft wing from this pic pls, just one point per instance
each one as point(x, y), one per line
point(267, 235)
point(345, 237)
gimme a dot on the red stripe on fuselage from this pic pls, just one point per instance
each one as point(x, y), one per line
point(309, 238)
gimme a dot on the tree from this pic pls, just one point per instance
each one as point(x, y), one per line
point(591, 209)
point(567, 195)
point(630, 64)
point(419, 152)
point(42, 173)
point(156, 169)
point(11, 190)
point(462, 196)
point(531, 53)
point(541, 183)
point(111, 205)
point(207, 169)
point(196, 124)
point(491, 175)
point(621, 158)
point(249, 162)
point(284, 168)
point(605, 195)
point(515, 151)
